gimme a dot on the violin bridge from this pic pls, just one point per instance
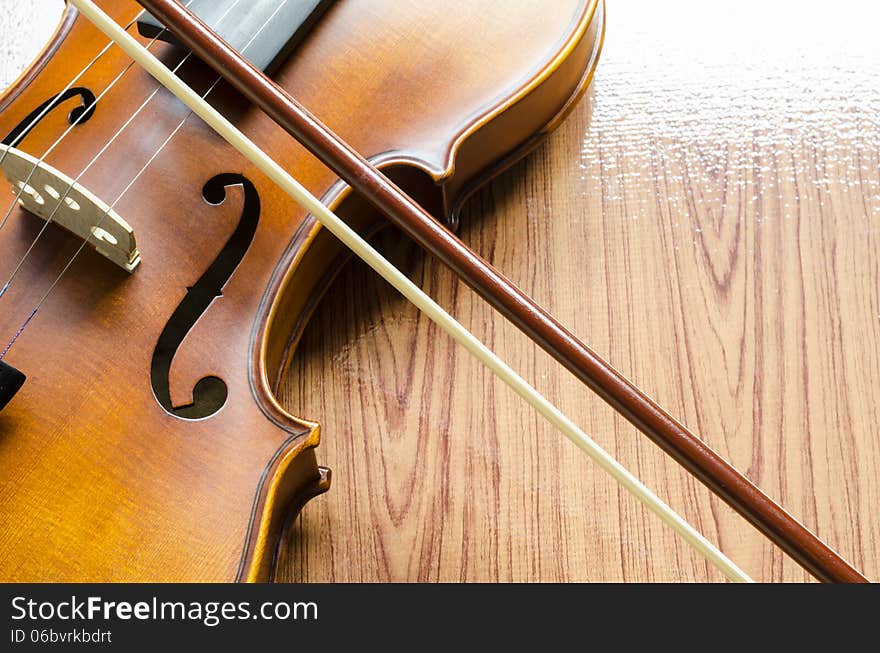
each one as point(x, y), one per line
point(52, 195)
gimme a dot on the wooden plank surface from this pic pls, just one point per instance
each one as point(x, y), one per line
point(708, 221)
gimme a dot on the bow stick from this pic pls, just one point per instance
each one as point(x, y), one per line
point(683, 446)
point(674, 438)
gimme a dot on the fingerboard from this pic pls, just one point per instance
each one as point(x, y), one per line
point(278, 30)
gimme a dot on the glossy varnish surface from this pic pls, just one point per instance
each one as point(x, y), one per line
point(708, 223)
point(98, 481)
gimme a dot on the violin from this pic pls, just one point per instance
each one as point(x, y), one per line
point(147, 391)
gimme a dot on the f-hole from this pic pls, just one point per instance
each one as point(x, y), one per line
point(209, 394)
point(78, 115)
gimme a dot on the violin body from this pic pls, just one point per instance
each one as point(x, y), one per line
point(147, 443)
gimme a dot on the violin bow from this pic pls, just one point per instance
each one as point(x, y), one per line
point(674, 438)
point(359, 246)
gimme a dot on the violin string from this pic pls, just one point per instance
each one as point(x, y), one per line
point(52, 147)
point(85, 112)
point(141, 172)
point(356, 243)
point(131, 183)
point(63, 196)
point(51, 105)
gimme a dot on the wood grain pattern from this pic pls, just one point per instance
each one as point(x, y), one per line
point(714, 207)
point(708, 222)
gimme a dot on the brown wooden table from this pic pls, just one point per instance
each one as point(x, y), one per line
point(708, 220)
